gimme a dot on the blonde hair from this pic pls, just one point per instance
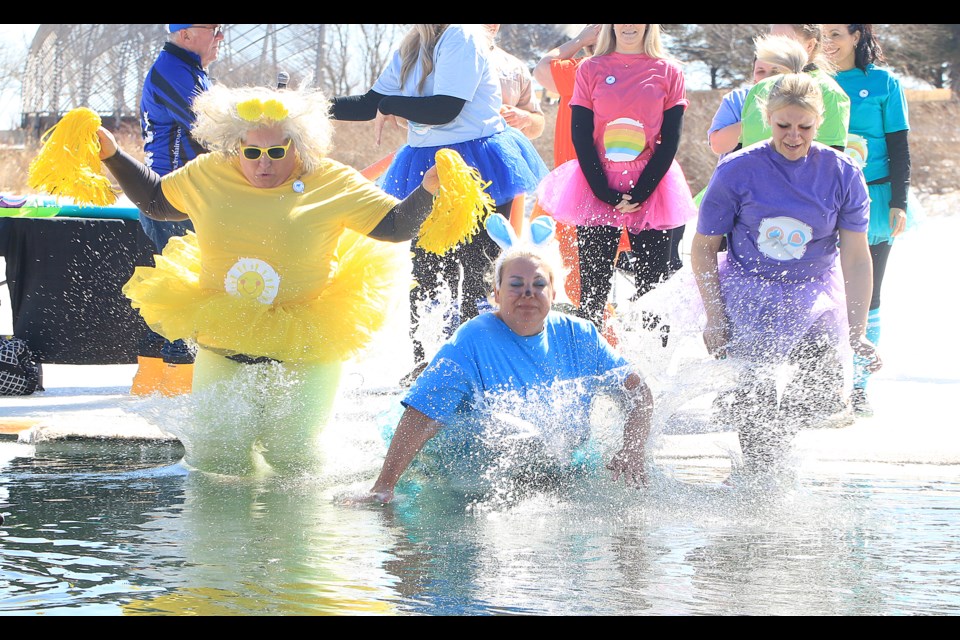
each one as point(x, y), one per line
point(302, 114)
point(794, 89)
point(516, 252)
point(652, 44)
point(783, 51)
point(816, 57)
point(418, 45)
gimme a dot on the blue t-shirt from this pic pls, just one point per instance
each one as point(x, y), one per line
point(878, 106)
point(489, 387)
point(729, 111)
point(461, 70)
point(782, 217)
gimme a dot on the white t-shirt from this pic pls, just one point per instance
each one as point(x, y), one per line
point(461, 70)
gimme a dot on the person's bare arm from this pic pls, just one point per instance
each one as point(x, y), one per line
point(566, 51)
point(630, 461)
point(413, 431)
point(703, 261)
point(857, 266)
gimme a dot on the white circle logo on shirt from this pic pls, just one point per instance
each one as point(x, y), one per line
point(784, 238)
point(252, 279)
point(611, 79)
point(864, 93)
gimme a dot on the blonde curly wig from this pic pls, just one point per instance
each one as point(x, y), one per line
point(225, 118)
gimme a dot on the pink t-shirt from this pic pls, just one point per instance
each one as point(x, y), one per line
point(628, 94)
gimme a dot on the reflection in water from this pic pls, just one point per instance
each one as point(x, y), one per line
point(98, 528)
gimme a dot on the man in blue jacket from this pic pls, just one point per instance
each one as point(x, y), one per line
point(178, 75)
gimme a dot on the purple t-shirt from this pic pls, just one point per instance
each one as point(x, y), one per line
point(782, 217)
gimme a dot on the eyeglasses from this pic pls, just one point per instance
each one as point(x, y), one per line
point(274, 153)
point(217, 30)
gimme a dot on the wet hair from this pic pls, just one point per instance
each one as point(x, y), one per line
point(782, 51)
point(868, 50)
point(652, 44)
point(794, 89)
point(220, 127)
point(495, 278)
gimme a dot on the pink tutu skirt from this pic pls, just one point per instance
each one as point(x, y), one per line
point(566, 196)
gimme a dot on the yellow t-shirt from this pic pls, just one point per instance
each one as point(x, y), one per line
point(286, 237)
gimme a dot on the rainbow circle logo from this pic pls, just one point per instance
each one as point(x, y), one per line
point(624, 140)
point(857, 149)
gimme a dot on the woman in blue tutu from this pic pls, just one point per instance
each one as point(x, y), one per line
point(440, 85)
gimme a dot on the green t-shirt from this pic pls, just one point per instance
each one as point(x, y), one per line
point(836, 116)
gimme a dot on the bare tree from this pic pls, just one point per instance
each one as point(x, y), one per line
point(726, 50)
point(927, 52)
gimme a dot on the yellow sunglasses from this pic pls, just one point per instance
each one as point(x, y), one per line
point(274, 153)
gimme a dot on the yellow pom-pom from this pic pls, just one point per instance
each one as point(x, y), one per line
point(250, 110)
point(69, 161)
point(459, 207)
point(274, 110)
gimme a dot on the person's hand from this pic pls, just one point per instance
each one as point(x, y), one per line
point(588, 35)
point(868, 351)
point(625, 205)
point(629, 462)
point(516, 118)
point(108, 144)
point(431, 180)
point(898, 221)
point(372, 496)
point(716, 336)
point(381, 120)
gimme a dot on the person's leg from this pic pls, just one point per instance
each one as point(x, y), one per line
point(299, 402)
point(652, 251)
point(431, 274)
point(477, 258)
point(676, 255)
point(879, 253)
point(597, 247)
point(226, 418)
point(816, 390)
point(753, 413)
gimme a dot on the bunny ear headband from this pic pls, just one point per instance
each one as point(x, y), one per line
point(541, 231)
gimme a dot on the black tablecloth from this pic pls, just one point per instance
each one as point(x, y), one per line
point(65, 277)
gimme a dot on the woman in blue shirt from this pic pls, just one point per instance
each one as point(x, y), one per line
point(877, 141)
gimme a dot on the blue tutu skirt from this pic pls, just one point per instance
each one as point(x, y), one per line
point(879, 230)
point(508, 160)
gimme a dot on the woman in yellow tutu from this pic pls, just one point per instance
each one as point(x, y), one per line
point(284, 274)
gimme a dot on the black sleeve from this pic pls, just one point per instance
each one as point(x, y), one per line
point(404, 220)
point(426, 110)
point(581, 131)
point(663, 155)
point(898, 150)
point(142, 186)
point(356, 108)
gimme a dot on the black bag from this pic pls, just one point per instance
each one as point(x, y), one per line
point(20, 373)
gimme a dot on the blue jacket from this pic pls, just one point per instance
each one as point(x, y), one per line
point(166, 115)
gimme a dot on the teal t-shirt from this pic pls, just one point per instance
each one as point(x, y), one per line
point(878, 106)
point(836, 116)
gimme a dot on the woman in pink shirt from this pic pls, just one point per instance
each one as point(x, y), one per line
point(626, 118)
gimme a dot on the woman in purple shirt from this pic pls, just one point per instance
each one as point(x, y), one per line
point(794, 286)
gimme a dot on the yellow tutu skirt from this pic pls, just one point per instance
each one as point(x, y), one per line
point(335, 326)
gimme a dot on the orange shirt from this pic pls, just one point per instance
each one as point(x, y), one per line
point(564, 74)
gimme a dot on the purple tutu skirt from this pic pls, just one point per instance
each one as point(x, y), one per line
point(566, 196)
point(768, 318)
